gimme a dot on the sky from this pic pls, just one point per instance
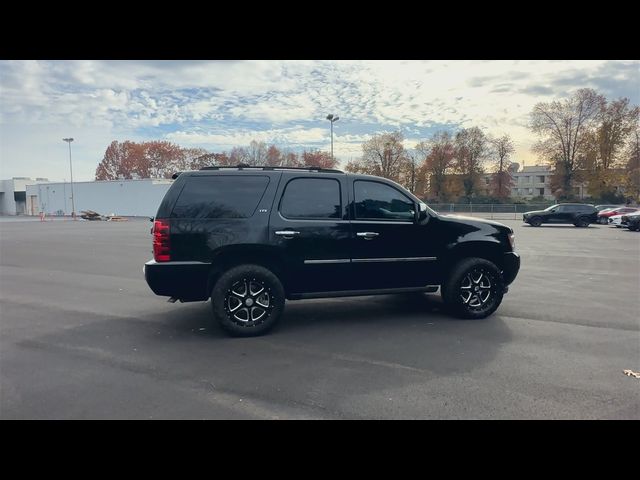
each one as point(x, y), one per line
point(221, 104)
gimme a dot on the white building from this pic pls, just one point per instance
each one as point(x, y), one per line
point(128, 198)
point(534, 181)
point(13, 195)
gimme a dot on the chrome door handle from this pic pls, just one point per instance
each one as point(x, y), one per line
point(288, 234)
point(368, 235)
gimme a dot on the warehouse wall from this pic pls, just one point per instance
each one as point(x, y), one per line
point(120, 197)
point(7, 202)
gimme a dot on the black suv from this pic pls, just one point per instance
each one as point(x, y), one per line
point(251, 237)
point(578, 214)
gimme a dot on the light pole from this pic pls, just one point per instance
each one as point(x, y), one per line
point(332, 119)
point(73, 206)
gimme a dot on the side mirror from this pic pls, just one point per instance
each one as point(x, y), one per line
point(151, 219)
point(422, 211)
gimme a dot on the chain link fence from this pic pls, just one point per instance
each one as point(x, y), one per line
point(504, 211)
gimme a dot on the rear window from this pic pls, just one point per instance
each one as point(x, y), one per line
point(222, 196)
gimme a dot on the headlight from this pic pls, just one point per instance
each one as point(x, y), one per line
point(512, 240)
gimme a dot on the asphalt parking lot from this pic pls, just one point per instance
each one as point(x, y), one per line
point(82, 336)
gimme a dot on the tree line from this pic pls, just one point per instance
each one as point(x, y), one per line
point(444, 167)
point(584, 138)
point(161, 159)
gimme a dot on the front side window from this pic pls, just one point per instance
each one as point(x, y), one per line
point(311, 198)
point(377, 201)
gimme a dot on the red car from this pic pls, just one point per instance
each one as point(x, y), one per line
point(610, 212)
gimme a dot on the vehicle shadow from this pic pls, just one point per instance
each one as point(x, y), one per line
point(591, 225)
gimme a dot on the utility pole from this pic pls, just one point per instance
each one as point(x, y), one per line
point(73, 205)
point(332, 118)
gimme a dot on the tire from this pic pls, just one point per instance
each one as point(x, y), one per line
point(247, 300)
point(463, 278)
point(535, 221)
point(581, 222)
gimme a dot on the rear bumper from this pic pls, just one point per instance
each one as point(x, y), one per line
point(510, 267)
point(183, 280)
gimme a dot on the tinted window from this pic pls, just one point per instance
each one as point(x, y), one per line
point(311, 198)
point(223, 196)
point(379, 201)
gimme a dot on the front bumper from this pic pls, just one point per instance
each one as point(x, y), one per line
point(510, 267)
point(182, 280)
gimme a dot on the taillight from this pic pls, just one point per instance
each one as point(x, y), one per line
point(161, 241)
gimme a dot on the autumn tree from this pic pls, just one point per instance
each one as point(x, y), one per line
point(605, 144)
point(122, 160)
point(632, 166)
point(382, 155)
point(238, 155)
point(163, 158)
point(563, 128)
point(471, 148)
point(274, 156)
point(501, 181)
point(437, 155)
point(317, 158)
point(291, 159)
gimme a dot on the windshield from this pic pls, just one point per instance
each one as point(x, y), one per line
point(550, 208)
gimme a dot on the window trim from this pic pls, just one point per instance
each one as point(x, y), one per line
point(355, 218)
point(311, 219)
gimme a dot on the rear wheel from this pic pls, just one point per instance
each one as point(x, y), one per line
point(581, 222)
point(474, 288)
point(535, 221)
point(247, 300)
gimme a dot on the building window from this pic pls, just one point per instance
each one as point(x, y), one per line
point(541, 191)
point(540, 178)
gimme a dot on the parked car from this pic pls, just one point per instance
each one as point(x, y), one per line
point(615, 221)
point(632, 221)
point(605, 214)
point(606, 207)
point(578, 214)
point(251, 238)
point(624, 219)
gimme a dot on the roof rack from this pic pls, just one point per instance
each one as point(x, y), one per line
point(243, 166)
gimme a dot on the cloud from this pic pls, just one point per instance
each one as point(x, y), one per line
point(220, 104)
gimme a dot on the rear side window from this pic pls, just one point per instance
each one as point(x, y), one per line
point(223, 196)
point(311, 198)
point(377, 201)
point(581, 208)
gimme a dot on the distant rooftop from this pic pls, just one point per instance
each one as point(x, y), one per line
point(535, 168)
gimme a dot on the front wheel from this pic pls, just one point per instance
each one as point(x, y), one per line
point(474, 288)
point(247, 300)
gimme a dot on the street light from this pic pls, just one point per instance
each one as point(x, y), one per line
point(332, 119)
point(73, 206)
